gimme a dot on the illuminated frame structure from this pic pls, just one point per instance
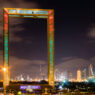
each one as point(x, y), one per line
point(30, 13)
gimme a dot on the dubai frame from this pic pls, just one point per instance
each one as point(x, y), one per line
point(29, 13)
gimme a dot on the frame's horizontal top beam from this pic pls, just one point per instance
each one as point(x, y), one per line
point(22, 11)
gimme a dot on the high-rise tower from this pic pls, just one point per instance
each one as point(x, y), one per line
point(79, 75)
point(41, 72)
point(70, 76)
point(84, 75)
point(91, 74)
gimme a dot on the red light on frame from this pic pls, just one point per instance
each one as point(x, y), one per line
point(6, 17)
point(6, 27)
point(51, 19)
point(50, 12)
point(51, 28)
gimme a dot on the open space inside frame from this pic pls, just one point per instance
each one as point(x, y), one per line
point(29, 13)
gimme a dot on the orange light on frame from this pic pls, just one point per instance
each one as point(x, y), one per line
point(31, 13)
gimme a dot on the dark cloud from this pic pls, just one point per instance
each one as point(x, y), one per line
point(20, 66)
point(67, 58)
point(91, 33)
point(15, 22)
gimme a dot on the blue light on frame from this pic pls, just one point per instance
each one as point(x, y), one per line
point(12, 11)
point(28, 16)
point(42, 16)
point(19, 11)
point(14, 15)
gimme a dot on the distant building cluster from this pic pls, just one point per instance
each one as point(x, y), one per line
point(81, 76)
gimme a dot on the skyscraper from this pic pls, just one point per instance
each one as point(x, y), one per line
point(91, 71)
point(70, 76)
point(79, 75)
point(84, 75)
point(41, 72)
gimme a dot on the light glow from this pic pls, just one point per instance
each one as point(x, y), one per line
point(4, 69)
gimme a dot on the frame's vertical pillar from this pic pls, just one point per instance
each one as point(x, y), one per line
point(6, 49)
point(51, 76)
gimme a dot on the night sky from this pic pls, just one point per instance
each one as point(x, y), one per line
point(74, 37)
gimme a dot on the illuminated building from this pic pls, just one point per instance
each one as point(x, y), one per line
point(30, 13)
point(91, 77)
point(28, 78)
point(70, 77)
point(42, 73)
point(91, 71)
point(79, 75)
point(84, 75)
point(57, 75)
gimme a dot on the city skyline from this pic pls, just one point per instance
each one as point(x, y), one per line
point(81, 75)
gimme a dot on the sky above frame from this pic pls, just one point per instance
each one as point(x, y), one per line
point(74, 37)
